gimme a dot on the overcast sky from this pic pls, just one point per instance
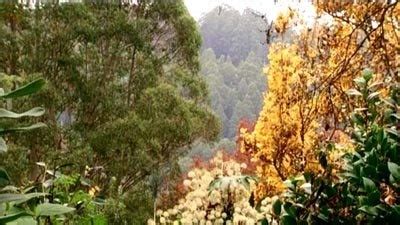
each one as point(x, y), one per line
point(197, 8)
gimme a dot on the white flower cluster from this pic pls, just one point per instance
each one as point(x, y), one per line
point(228, 201)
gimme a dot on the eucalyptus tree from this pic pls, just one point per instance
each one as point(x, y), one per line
point(123, 89)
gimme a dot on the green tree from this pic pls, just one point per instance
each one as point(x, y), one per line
point(235, 91)
point(123, 89)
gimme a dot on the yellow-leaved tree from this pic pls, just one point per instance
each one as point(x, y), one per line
point(307, 104)
point(284, 137)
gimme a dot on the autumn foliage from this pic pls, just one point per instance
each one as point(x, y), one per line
point(307, 105)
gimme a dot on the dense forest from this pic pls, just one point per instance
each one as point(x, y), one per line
point(131, 112)
point(233, 72)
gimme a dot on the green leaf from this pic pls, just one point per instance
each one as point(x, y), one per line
point(371, 210)
point(11, 197)
point(392, 180)
point(394, 170)
point(276, 207)
point(288, 220)
point(289, 209)
point(369, 185)
point(10, 188)
point(3, 145)
point(19, 198)
point(28, 89)
point(4, 178)
point(18, 129)
point(323, 217)
point(37, 111)
point(11, 217)
point(358, 119)
point(360, 81)
point(367, 74)
point(30, 196)
point(49, 209)
point(374, 197)
point(24, 220)
point(264, 222)
point(363, 200)
point(396, 209)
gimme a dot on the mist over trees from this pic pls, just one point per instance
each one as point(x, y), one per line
point(232, 58)
point(232, 33)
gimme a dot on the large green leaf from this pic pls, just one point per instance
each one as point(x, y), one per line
point(11, 216)
point(28, 89)
point(48, 209)
point(19, 198)
point(8, 197)
point(37, 111)
point(30, 196)
point(17, 129)
point(23, 220)
point(369, 185)
point(394, 169)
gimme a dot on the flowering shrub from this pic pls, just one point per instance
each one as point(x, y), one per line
point(218, 195)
